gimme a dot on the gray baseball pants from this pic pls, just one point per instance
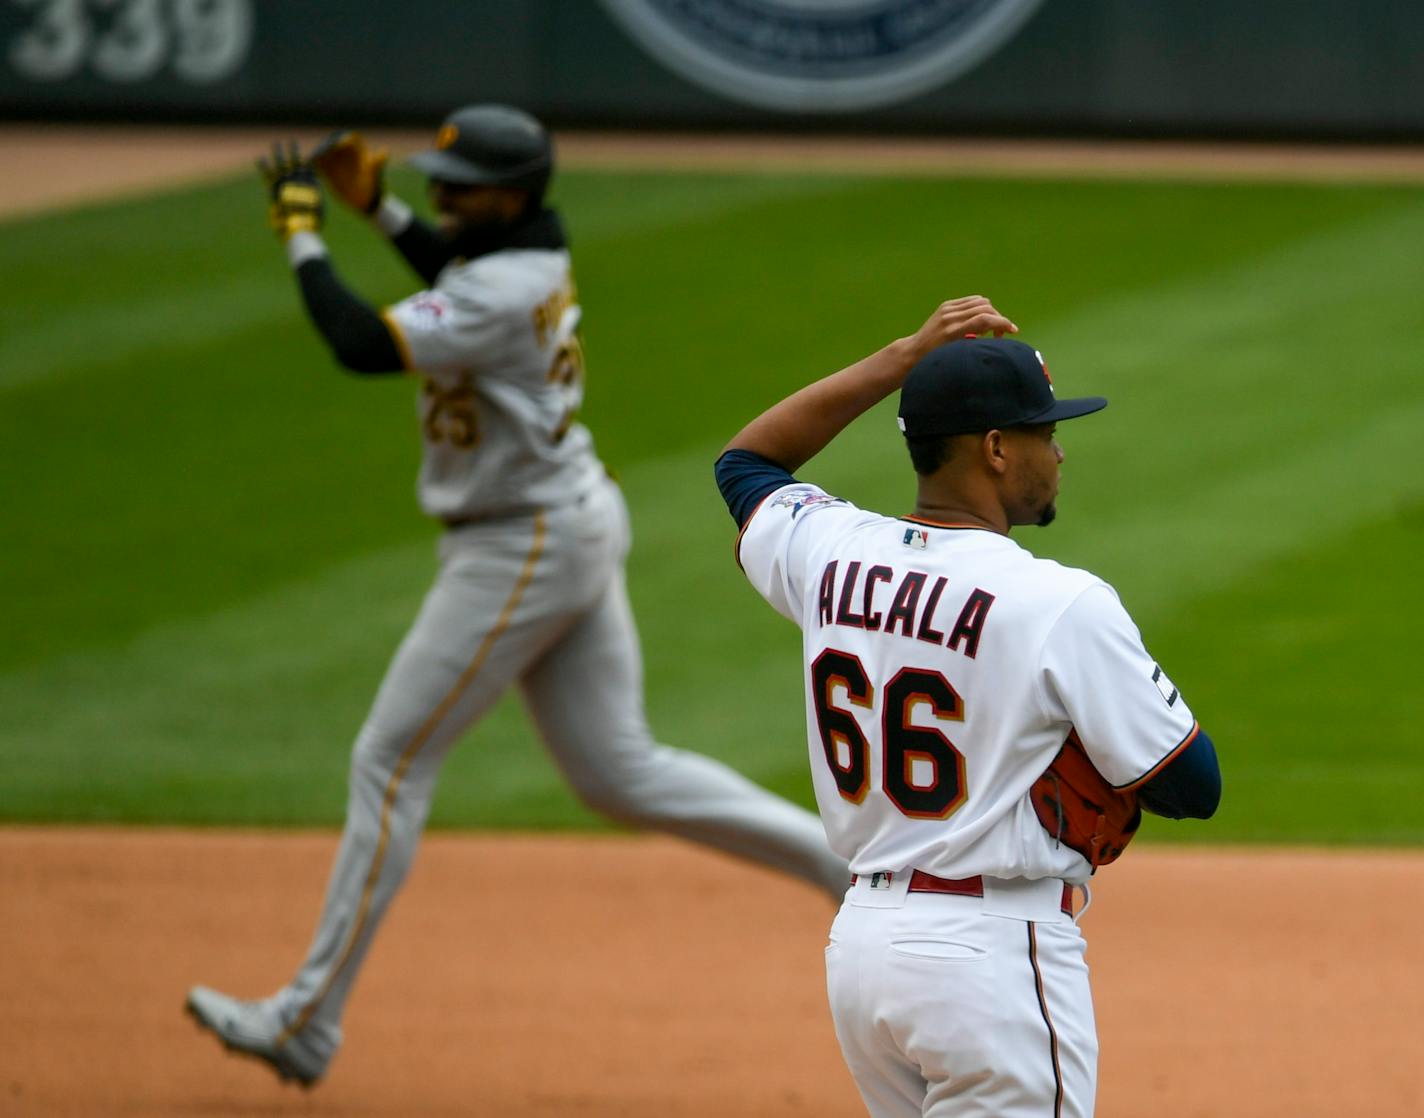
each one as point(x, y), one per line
point(539, 601)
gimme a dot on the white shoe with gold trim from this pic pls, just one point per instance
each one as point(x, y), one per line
point(256, 1029)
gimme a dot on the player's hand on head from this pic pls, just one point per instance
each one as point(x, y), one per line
point(960, 318)
point(354, 170)
point(294, 199)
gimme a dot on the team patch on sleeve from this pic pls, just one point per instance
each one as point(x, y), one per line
point(803, 497)
point(1164, 685)
point(427, 308)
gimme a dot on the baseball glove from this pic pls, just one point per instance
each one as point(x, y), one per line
point(1081, 809)
point(294, 195)
point(356, 172)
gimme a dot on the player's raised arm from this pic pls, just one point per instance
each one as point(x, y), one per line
point(984, 727)
point(358, 336)
point(356, 174)
point(799, 427)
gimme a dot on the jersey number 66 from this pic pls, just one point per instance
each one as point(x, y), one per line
point(922, 771)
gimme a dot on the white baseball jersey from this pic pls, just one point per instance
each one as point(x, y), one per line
point(945, 668)
point(496, 341)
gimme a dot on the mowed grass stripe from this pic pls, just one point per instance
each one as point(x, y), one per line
point(108, 283)
point(189, 453)
point(1252, 415)
point(220, 550)
point(731, 313)
point(246, 717)
point(1307, 669)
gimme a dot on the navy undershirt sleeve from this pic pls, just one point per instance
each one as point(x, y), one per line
point(745, 478)
point(1189, 787)
point(357, 335)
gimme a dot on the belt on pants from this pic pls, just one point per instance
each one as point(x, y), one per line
point(921, 882)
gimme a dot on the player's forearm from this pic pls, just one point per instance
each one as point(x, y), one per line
point(423, 247)
point(358, 336)
point(802, 425)
point(798, 428)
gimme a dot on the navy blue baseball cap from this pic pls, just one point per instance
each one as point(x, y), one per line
point(980, 384)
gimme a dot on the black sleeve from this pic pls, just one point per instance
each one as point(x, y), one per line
point(424, 249)
point(357, 335)
point(745, 479)
point(1189, 787)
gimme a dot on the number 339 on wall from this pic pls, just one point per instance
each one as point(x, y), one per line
point(202, 41)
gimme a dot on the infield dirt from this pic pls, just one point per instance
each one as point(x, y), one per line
point(48, 166)
point(639, 977)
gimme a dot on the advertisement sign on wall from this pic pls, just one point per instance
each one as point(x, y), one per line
point(193, 41)
point(821, 56)
point(1282, 68)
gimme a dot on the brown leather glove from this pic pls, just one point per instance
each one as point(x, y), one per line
point(355, 172)
point(1081, 809)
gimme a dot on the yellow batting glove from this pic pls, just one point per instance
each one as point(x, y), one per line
point(294, 195)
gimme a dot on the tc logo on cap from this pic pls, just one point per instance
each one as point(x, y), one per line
point(1044, 363)
point(447, 136)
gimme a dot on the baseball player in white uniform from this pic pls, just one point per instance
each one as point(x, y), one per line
point(530, 589)
point(945, 670)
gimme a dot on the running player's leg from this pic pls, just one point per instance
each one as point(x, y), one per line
point(489, 613)
point(586, 697)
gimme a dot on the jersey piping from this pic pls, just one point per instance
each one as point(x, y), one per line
point(1047, 1020)
point(941, 524)
point(1162, 764)
point(398, 336)
point(737, 546)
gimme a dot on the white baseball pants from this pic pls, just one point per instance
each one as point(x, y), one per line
point(963, 1007)
point(539, 601)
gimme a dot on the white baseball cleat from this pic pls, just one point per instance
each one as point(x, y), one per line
point(255, 1029)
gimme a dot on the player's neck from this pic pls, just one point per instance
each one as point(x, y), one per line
point(959, 509)
point(951, 516)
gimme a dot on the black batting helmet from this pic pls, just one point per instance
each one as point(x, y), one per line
point(490, 145)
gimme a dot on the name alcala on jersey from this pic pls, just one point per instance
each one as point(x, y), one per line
point(944, 668)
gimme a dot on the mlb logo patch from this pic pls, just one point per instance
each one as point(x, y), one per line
point(881, 880)
point(917, 538)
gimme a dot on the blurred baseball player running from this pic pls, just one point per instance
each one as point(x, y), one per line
point(982, 724)
point(530, 589)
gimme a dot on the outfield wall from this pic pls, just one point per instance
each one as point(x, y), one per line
point(1297, 68)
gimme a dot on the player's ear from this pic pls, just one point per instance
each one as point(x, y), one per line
point(994, 450)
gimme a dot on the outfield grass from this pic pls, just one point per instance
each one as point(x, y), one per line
point(212, 545)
